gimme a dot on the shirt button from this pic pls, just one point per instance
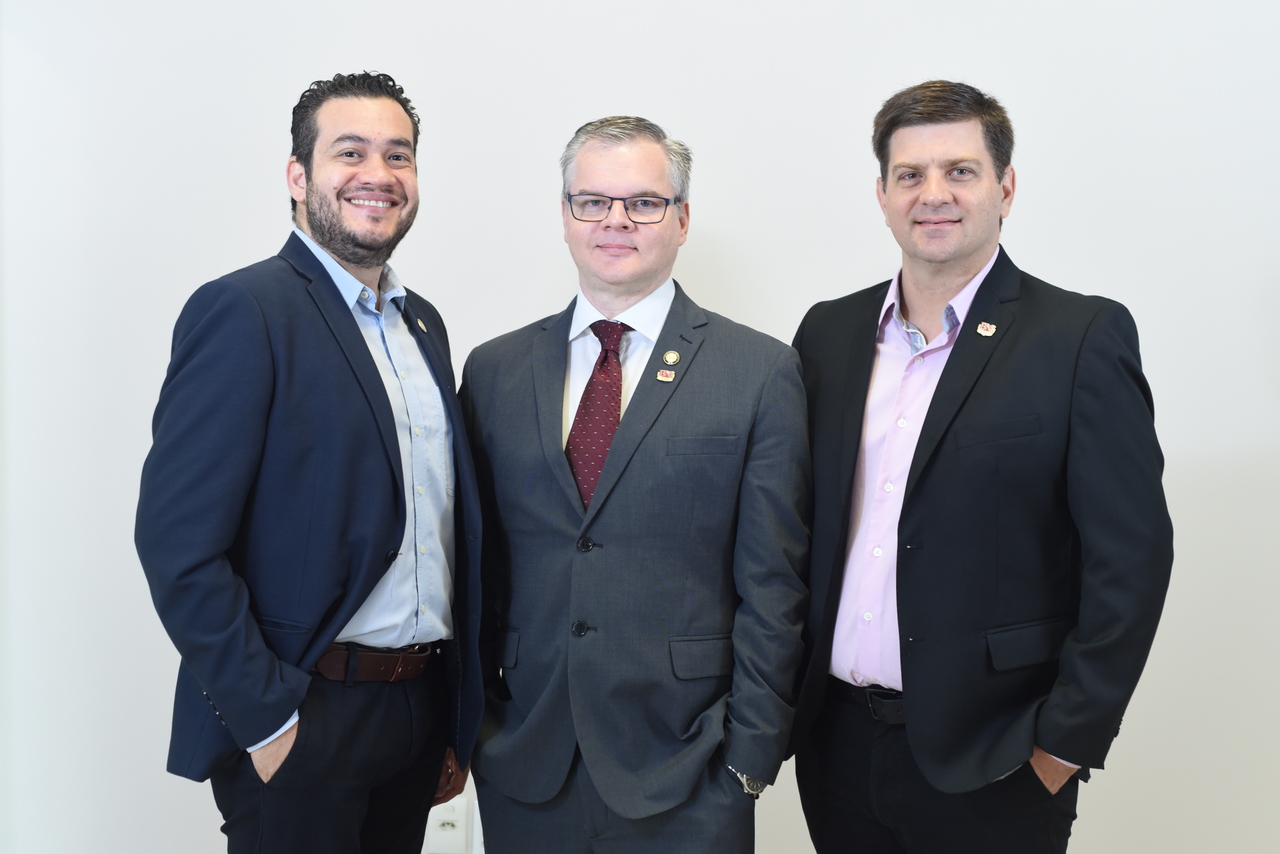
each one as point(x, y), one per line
point(419, 490)
point(888, 487)
point(364, 295)
point(902, 422)
point(417, 432)
point(876, 551)
point(919, 360)
point(422, 608)
point(403, 375)
point(422, 550)
point(867, 616)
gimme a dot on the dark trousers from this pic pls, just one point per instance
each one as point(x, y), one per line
point(359, 779)
point(718, 817)
point(863, 792)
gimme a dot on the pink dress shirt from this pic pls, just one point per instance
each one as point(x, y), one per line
point(906, 372)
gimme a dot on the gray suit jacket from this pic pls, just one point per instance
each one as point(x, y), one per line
point(685, 579)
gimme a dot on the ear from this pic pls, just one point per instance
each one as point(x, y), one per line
point(882, 199)
point(1008, 184)
point(296, 177)
point(683, 210)
point(564, 215)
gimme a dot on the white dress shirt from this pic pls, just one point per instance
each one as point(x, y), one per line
point(646, 318)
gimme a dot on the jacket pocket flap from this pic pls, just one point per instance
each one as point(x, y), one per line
point(510, 646)
point(678, 445)
point(1014, 428)
point(698, 657)
point(1022, 646)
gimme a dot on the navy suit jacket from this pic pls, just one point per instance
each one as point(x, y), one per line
point(273, 500)
point(1034, 545)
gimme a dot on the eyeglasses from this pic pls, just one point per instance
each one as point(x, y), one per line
point(586, 207)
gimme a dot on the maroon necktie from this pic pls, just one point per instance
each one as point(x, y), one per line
point(598, 412)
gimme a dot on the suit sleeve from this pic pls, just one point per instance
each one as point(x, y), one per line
point(492, 586)
point(1117, 504)
point(770, 564)
point(208, 436)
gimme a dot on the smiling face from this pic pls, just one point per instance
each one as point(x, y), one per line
point(617, 258)
point(362, 193)
point(943, 199)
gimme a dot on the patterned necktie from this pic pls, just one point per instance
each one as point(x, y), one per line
point(598, 412)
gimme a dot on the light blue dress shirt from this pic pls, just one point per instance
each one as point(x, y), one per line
point(411, 603)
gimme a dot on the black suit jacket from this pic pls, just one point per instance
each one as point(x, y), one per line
point(273, 500)
point(1034, 542)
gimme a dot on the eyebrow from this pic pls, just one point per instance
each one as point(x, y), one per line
point(396, 142)
point(950, 164)
point(651, 193)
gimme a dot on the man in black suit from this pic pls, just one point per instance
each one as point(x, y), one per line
point(309, 520)
point(991, 545)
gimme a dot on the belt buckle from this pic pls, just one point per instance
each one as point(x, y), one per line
point(874, 694)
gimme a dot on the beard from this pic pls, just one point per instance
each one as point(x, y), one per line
point(324, 221)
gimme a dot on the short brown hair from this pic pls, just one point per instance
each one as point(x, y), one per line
point(939, 102)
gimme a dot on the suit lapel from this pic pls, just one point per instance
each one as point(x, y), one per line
point(969, 356)
point(550, 361)
point(863, 328)
point(433, 350)
point(337, 315)
point(679, 333)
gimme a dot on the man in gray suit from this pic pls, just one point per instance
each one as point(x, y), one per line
point(644, 472)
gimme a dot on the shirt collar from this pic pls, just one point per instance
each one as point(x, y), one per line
point(349, 286)
point(952, 316)
point(646, 317)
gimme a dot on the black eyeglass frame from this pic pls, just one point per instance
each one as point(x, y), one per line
point(571, 196)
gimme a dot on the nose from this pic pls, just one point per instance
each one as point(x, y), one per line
point(617, 217)
point(936, 191)
point(376, 172)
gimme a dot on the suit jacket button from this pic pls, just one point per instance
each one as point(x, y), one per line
point(579, 628)
point(586, 544)
point(391, 557)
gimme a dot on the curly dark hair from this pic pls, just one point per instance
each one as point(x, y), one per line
point(366, 84)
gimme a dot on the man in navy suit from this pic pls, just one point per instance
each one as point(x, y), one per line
point(308, 518)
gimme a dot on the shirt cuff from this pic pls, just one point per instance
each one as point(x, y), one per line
point(293, 719)
point(1050, 755)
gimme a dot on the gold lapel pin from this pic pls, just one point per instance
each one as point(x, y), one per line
point(671, 357)
point(666, 376)
point(422, 325)
point(986, 330)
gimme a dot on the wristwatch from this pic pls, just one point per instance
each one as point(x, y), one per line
point(750, 785)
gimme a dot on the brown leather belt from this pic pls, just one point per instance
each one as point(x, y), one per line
point(376, 665)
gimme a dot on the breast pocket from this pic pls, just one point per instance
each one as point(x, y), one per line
point(683, 445)
point(982, 434)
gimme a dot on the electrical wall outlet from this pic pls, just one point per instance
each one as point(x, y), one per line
point(449, 827)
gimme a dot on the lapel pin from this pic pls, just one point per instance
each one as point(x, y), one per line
point(666, 376)
point(422, 325)
point(986, 330)
point(671, 357)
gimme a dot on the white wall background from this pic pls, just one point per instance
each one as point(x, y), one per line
point(142, 152)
